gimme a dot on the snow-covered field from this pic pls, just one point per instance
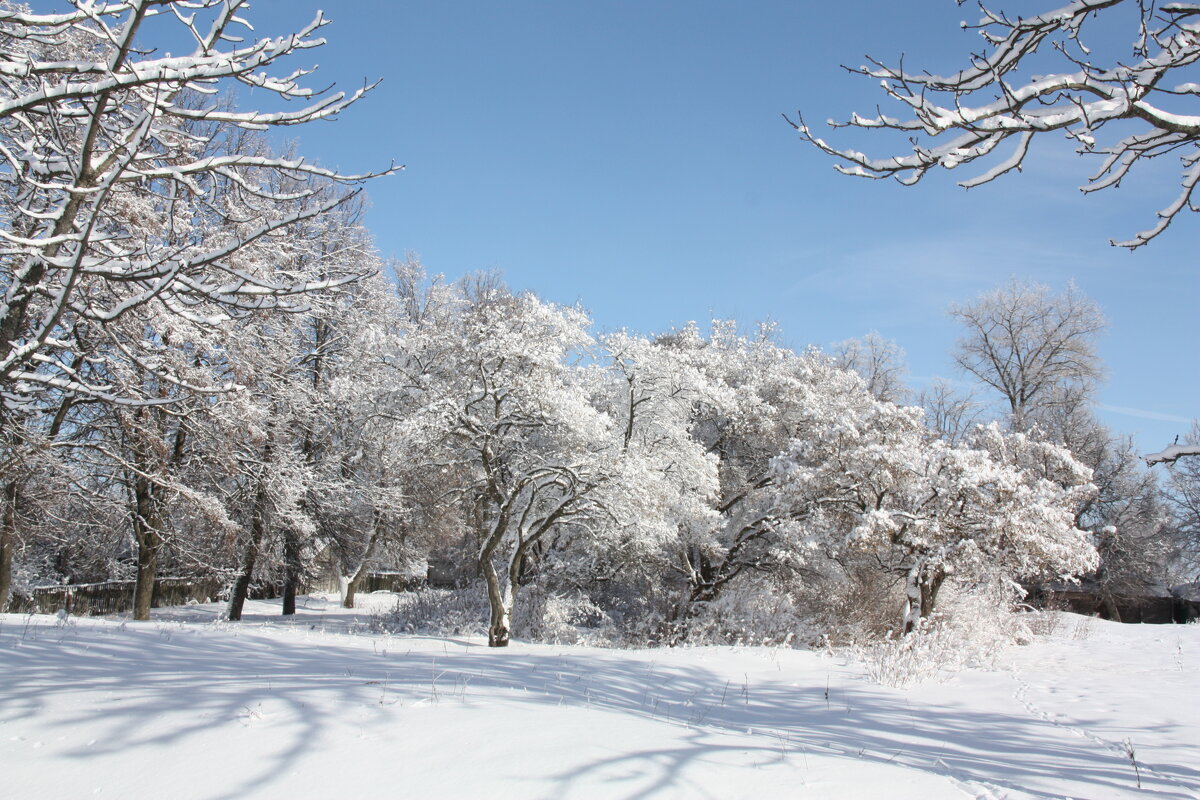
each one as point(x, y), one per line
point(317, 706)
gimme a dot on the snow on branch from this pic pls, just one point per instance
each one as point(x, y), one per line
point(133, 179)
point(992, 101)
point(1172, 454)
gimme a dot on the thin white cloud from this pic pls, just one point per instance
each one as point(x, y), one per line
point(1143, 414)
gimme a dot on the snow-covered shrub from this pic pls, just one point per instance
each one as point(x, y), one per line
point(543, 617)
point(442, 612)
point(852, 603)
point(975, 625)
point(36, 568)
point(557, 618)
point(750, 613)
point(931, 650)
point(1042, 621)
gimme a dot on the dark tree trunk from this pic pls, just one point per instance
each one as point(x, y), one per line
point(930, 586)
point(149, 524)
point(8, 542)
point(291, 571)
point(705, 583)
point(289, 597)
point(147, 529)
point(258, 529)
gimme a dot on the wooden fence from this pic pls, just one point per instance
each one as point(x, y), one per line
point(111, 597)
point(389, 582)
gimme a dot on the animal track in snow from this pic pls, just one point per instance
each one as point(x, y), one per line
point(1021, 695)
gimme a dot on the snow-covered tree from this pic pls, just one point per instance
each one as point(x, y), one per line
point(522, 425)
point(1131, 526)
point(148, 446)
point(376, 446)
point(309, 471)
point(663, 497)
point(950, 412)
point(1037, 351)
point(1183, 497)
point(1056, 71)
point(879, 361)
point(872, 480)
point(37, 487)
point(125, 179)
point(757, 396)
point(140, 206)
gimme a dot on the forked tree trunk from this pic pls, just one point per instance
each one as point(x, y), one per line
point(921, 589)
point(502, 593)
point(500, 601)
point(8, 542)
point(355, 583)
point(930, 586)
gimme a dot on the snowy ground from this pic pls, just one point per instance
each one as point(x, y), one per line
point(190, 707)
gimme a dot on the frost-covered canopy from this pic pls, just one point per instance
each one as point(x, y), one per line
point(128, 178)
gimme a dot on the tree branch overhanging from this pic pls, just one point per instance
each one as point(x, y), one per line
point(969, 115)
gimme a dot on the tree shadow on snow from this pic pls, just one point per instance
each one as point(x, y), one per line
point(169, 682)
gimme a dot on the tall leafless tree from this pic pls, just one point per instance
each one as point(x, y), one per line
point(879, 361)
point(1028, 344)
point(951, 413)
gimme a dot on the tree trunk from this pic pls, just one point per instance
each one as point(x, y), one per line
point(921, 589)
point(500, 602)
point(291, 571)
point(931, 584)
point(1110, 606)
point(354, 584)
point(360, 574)
point(148, 542)
point(912, 600)
point(8, 542)
point(147, 530)
point(148, 524)
point(701, 589)
point(258, 529)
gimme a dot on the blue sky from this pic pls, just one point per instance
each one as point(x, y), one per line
point(631, 155)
